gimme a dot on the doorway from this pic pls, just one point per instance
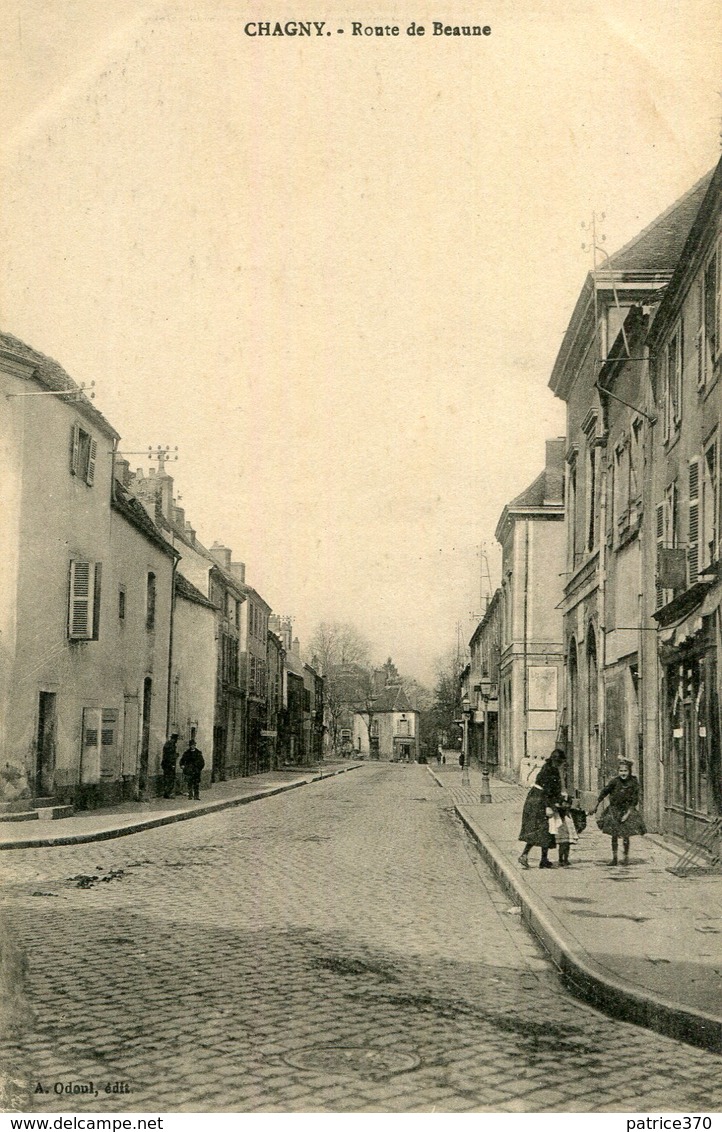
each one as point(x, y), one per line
point(145, 736)
point(45, 748)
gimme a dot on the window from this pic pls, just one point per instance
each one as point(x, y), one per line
point(710, 504)
point(572, 506)
point(693, 524)
point(84, 600)
point(403, 727)
point(150, 603)
point(83, 452)
point(711, 313)
point(621, 488)
point(673, 380)
point(666, 538)
point(592, 499)
point(238, 615)
point(121, 603)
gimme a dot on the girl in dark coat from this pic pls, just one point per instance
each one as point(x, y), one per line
point(621, 818)
point(539, 806)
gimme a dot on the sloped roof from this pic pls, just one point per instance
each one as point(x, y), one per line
point(135, 513)
point(703, 221)
point(393, 698)
point(659, 246)
point(648, 260)
point(187, 590)
point(533, 496)
point(52, 375)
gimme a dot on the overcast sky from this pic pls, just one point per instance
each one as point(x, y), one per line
point(336, 271)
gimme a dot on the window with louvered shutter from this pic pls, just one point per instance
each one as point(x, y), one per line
point(693, 531)
point(74, 449)
point(90, 752)
point(84, 600)
point(710, 502)
point(80, 615)
point(660, 535)
point(92, 454)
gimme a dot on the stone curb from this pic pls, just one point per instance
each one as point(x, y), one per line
point(583, 977)
point(170, 819)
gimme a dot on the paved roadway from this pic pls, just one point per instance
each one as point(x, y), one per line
point(337, 948)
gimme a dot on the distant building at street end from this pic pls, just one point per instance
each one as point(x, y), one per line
point(394, 727)
point(532, 537)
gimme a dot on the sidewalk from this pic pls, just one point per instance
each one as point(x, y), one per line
point(134, 817)
point(636, 941)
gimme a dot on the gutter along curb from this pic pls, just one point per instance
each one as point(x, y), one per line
point(170, 819)
point(582, 975)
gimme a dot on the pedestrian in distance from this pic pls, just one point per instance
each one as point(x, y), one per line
point(192, 763)
point(621, 818)
point(167, 765)
point(542, 803)
point(565, 830)
point(461, 760)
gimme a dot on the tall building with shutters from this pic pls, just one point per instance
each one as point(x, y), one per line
point(614, 521)
point(85, 600)
point(685, 345)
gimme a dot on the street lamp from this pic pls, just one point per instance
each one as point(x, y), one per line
point(485, 687)
point(466, 715)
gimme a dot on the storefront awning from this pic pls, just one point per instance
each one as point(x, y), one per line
point(688, 627)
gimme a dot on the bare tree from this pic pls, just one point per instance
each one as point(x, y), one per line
point(342, 656)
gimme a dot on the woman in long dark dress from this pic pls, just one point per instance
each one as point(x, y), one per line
point(539, 806)
point(621, 818)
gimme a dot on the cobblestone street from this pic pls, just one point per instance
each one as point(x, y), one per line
point(337, 948)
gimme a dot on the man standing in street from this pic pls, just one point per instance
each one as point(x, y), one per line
point(192, 762)
point(167, 765)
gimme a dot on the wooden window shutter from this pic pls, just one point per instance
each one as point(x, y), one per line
point(131, 724)
point(92, 454)
point(80, 607)
point(667, 406)
point(700, 343)
point(693, 532)
point(678, 371)
point(660, 537)
point(90, 751)
point(96, 600)
point(74, 449)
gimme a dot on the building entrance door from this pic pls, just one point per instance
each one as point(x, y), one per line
point(145, 736)
point(45, 747)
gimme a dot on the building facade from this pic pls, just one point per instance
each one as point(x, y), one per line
point(85, 600)
point(531, 533)
point(685, 344)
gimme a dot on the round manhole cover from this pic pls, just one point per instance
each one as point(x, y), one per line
point(367, 1060)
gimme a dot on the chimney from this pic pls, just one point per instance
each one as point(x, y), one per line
point(286, 631)
point(297, 647)
point(179, 516)
point(238, 569)
point(122, 470)
point(222, 555)
point(190, 533)
point(554, 479)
